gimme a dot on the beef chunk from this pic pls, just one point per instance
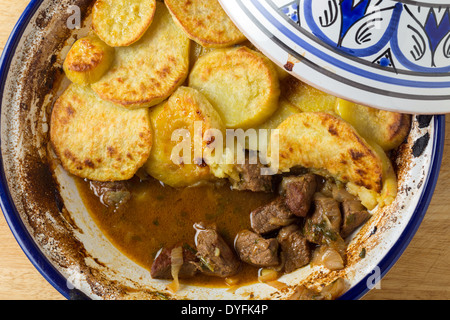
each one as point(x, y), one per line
point(271, 217)
point(295, 249)
point(255, 250)
point(162, 267)
point(250, 177)
point(218, 258)
point(354, 215)
point(111, 193)
point(323, 226)
point(299, 192)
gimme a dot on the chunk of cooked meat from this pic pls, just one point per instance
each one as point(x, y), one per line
point(271, 216)
point(323, 226)
point(162, 265)
point(354, 215)
point(250, 177)
point(325, 222)
point(217, 257)
point(295, 248)
point(299, 192)
point(256, 250)
point(111, 194)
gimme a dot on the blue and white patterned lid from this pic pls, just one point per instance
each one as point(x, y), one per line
point(393, 55)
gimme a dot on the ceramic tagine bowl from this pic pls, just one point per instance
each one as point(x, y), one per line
point(393, 55)
point(390, 54)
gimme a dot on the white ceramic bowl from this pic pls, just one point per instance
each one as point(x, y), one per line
point(392, 55)
point(46, 215)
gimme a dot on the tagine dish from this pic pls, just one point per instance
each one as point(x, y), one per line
point(208, 164)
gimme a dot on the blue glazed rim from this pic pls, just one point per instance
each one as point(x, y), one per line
point(59, 282)
point(361, 288)
point(24, 239)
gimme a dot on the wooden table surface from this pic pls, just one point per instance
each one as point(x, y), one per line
point(421, 273)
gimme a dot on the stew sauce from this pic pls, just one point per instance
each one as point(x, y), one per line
point(158, 216)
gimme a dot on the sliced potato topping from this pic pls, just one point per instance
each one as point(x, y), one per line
point(369, 198)
point(306, 97)
point(150, 70)
point(387, 129)
point(205, 22)
point(321, 141)
point(240, 83)
point(121, 23)
point(87, 60)
point(285, 110)
point(97, 140)
point(174, 159)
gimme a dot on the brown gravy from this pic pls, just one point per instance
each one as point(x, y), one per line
point(158, 216)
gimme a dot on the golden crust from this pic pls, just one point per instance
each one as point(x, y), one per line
point(284, 111)
point(385, 128)
point(147, 72)
point(97, 140)
point(205, 22)
point(183, 110)
point(87, 60)
point(321, 141)
point(240, 83)
point(306, 97)
point(121, 23)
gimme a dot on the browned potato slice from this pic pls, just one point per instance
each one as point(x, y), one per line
point(87, 60)
point(321, 141)
point(150, 70)
point(172, 159)
point(285, 110)
point(282, 73)
point(122, 22)
point(97, 140)
point(387, 129)
point(306, 97)
point(240, 83)
point(205, 22)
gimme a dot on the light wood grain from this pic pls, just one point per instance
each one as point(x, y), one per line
point(421, 272)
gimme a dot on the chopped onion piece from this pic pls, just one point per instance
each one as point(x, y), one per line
point(334, 290)
point(270, 277)
point(265, 275)
point(176, 262)
point(329, 258)
point(231, 281)
point(332, 260)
